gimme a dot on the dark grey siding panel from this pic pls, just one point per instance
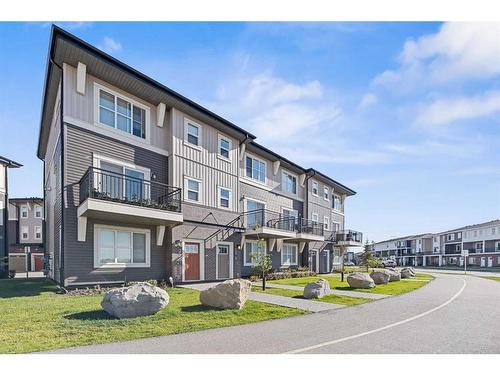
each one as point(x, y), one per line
point(81, 145)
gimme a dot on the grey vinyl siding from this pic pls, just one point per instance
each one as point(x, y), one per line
point(317, 204)
point(274, 202)
point(83, 107)
point(81, 145)
point(203, 163)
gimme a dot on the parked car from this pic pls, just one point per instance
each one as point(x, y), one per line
point(349, 264)
point(389, 263)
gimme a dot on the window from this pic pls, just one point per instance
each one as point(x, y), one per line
point(314, 218)
point(459, 235)
point(224, 198)
point(497, 246)
point(24, 212)
point(458, 248)
point(336, 228)
point(253, 250)
point(336, 203)
point(314, 188)
point(475, 233)
point(193, 132)
point(255, 213)
point(224, 147)
point(255, 169)
point(492, 230)
point(326, 222)
point(451, 237)
point(479, 246)
point(192, 188)
point(122, 114)
point(24, 233)
point(326, 193)
point(435, 239)
point(38, 211)
point(121, 247)
point(38, 233)
point(288, 183)
point(289, 254)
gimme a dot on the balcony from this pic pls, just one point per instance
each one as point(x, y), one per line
point(347, 238)
point(120, 198)
point(264, 223)
point(308, 230)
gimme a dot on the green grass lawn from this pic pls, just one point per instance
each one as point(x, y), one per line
point(339, 300)
point(495, 278)
point(392, 288)
point(34, 317)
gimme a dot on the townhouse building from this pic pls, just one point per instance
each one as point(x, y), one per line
point(142, 183)
point(5, 165)
point(482, 241)
point(25, 227)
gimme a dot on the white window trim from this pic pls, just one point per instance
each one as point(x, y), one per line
point(186, 196)
point(327, 191)
point(247, 154)
point(38, 209)
point(200, 133)
point(201, 256)
point(296, 249)
point(99, 158)
point(231, 259)
point(219, 188)
point(219, 155)
point(147, 109)
point(25, 229)
point(314, 183)
point(326, 222)
point(147, 232)
point(315, 215)
point(245, 263)
point(339, 210)
point(24, 208)
point(35, 231)
point(283, 171)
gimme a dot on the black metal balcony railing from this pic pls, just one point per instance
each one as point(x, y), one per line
point(348, 236)
point(110, 186)
point(271, 219)
point(311, 227)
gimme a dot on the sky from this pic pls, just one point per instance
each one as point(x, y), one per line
point(406, 114)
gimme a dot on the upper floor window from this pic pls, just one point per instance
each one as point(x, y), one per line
point(224, 147)
point(121, 114)
point(38, 211)
point(24, 233)
point(451, 236)
point(459, 235)
point(326, 222)
point(288, 183)
point(38, 233)
point(255, 169)
point(479, 246)
point(314, 188)
point(193, 133)
point(24, 212)
point(224, 197)
point(314, 218)
point(192, 188)
point(326, 193)
point(336, 203)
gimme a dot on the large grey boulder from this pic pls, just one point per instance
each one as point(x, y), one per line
point(136, 300)
point(317, 289)
point(230, 294)
point(406, 273)
point(380, 276)
point(394, 275)
point(360, 280)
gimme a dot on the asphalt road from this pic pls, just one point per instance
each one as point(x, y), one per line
point(452, 314)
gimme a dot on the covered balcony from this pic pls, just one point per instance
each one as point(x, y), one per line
point(127, 199)
point(264, 223)
point(347, 238)
point(308, 230)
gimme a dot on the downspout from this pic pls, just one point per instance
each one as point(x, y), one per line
point(308, 177)
point(61, 114)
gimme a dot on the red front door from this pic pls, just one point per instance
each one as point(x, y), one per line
point(191, 261)
point(38, 263)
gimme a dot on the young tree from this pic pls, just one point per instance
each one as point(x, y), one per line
point(367, 258)
point(262, 263)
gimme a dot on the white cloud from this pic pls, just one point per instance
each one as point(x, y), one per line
point(367, 100)
point(110, 45)
point(458, 51)
point(444, 111)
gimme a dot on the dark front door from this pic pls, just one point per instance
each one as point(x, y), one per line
point(191, 261)
point(223, 261)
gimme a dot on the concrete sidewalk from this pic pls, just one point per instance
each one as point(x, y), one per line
point(297, 303)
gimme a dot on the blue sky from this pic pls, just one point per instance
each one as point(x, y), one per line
point(407, 114)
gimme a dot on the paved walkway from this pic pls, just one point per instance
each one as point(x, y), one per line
point(336, 292)
point(298, 303)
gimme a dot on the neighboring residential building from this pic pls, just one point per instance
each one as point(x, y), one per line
point(143, 183)
point(5, 164)
point(445, 248)
point(26, 251)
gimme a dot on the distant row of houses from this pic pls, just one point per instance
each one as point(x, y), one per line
point(482, 241)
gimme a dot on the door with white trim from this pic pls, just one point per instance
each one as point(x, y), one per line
point(224, 265)
point(490, 261)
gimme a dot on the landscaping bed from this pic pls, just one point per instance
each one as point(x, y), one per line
point(392, 288)
point(35, 317)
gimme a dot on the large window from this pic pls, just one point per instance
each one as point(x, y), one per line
point(121, 247)
point(255, 213)
point(288, 183)
point(193, 132)
point(255, 169)
point(192, 188)
point(121, 114)
point(254, 250)
point(224, 198)
point(289, 254)
point(337, 203)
